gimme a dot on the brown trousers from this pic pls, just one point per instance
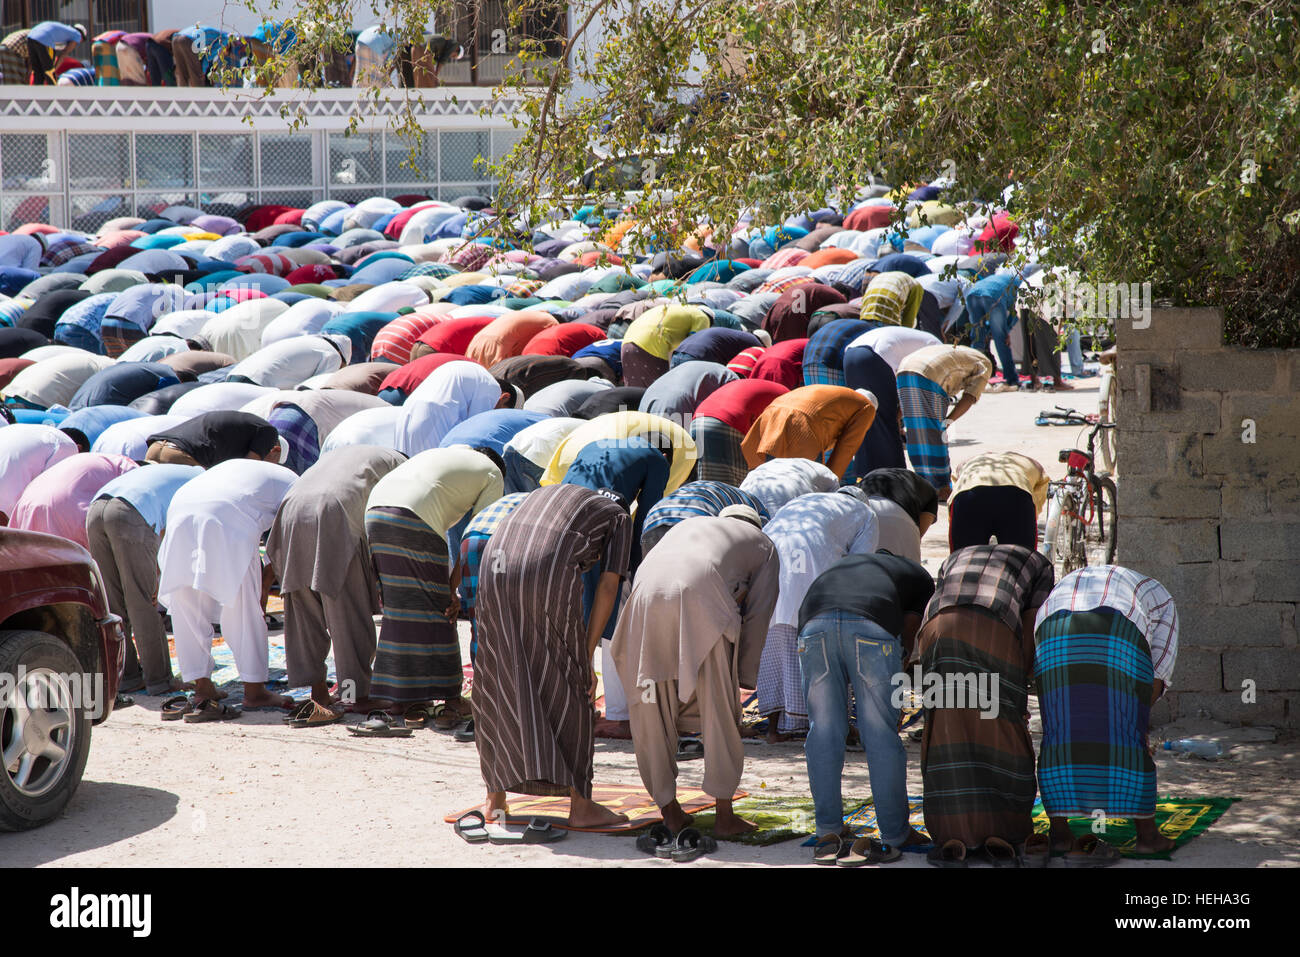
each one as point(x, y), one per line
point(312, 622)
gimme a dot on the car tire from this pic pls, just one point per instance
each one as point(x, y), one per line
point(37, 793)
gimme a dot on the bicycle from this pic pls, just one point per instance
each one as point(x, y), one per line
point(1081, 527)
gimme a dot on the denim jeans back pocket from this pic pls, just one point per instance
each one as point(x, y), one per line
point(811, 648)
point(877, 660)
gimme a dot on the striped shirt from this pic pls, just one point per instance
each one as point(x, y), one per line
point(893, 298)
point(394, 341)
point(955, 369)
point(1007, 580)
point(698, 498)
point(1142, 600)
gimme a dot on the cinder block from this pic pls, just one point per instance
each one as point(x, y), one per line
point(1198, 670)
point(1130, 359)
point(1162, 542)
point(1243, 501)
point(1220, 627)
point(1200, 412)
point(1237, 582)
point(1261, 541)
point(1270, 581)
point(1173, 329)
point(1234, 370)
point(1140, 453)
point(1188, 582)
point(1169, 498)
point(1272, 708)
point(1272, 669)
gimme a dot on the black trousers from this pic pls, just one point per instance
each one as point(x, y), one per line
point(1040, 347)
point(977, 514)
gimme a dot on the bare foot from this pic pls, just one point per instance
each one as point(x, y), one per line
point(584, 812)
point(675, 818)
point(618, 730)
point(1149, 838)
point(365, 706)
point(774, 736)
point(733, 826)
point(256, 696)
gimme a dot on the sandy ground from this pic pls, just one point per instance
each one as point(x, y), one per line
point(254, 793)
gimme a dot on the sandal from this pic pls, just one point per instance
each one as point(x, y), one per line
point(415, 717)
point(173, 709)
point(1092, 851)
point(688, 749)
point(299, 712)
point(472, 827)
point(951, 854)
point(446, 718)
point(690, 844)
point(868, 850)
point(657, 839)
point(380, 724)
point(1000, 854)
point(829, 849)
point(1037, 852)
point(315, 715)
point(465, 734)
point(537, 832)
point(212, 711)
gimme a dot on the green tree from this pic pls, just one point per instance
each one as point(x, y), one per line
point(1150, 142)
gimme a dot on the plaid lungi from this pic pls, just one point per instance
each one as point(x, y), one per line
point(720, 458)
point(1094, 677)
point(104, 60)
point(418, 655)
point(118, 335)
point(780, 681)
point(299, 430)
point(978, 771)
point(640, 368)
point(925, 405)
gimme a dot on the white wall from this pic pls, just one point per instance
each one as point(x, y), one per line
point(231, 15)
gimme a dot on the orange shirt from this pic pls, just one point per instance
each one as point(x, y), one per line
point(805, 422)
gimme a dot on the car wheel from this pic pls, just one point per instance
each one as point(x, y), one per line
point(44, 728)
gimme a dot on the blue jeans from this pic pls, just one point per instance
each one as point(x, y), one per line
point(1075, 351)
point(999, 325)
point(835, 650)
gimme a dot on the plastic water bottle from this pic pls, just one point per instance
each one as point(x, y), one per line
point(1202, 749)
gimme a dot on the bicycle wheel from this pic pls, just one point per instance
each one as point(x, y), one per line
point(1068, 545)
point(1108, 409)
point(1100, 534)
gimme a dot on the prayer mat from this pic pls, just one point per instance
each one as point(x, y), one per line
point(861, 819)
point(1178, 818)
point(624, 798)
point(778, 819)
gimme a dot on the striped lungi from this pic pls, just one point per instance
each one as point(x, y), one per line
point(118, 335)
point(925, 405)
point(720, 458)
point(299, 430)
point(418, 656)
point(640, 368)
point(780, 682)
point(978, 772)
point(1094, 677)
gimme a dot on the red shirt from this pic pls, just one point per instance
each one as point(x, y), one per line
point(394, 341)
point(744, 361)
point(563, 340)
point(739, 403)
point(782, 363)
point(409, 376)
point(455, 335)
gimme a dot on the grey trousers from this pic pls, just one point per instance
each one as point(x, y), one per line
point(125, 547)
point(313, 621)
point(657, 716)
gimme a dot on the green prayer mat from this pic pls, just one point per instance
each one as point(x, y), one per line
point(1178, 818)
point(785, 818)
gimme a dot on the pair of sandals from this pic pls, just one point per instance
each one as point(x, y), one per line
point(995, 850)
point(443, 717)
point(381, 724)
point(183, 707)
point(682, 848)
point(837, 851)
point(472, 827)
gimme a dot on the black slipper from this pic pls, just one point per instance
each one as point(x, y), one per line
point(657, 838)
point(472, 827)
point(537, 832)
point(690, 844)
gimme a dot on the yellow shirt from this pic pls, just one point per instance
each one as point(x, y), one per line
point(440, 486)
point(1003, 468)
point(661, 329)
point(621, 425)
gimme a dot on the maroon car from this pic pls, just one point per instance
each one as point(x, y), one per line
point(61, 654)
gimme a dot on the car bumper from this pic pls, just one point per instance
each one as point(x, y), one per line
point(113, 644)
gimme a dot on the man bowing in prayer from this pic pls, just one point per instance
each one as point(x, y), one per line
point(690, 638)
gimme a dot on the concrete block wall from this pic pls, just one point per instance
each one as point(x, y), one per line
point(1214, 516)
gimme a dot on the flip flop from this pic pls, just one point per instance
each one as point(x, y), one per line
point(415, 717)
point(465, 734)
point(300, 712)
point(173, 709)
point(690, 844)
point(1038, 851)
point(868, 850)
point(1000, 854)
point(445, 717)
point(951, 854)
point(657, 837)
point(212, 711)
point(475, 832)
point(1092, 851)
point(688, 749)
point(379, 724)
point(537, 832)
point(123, 701)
